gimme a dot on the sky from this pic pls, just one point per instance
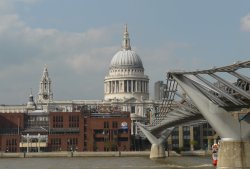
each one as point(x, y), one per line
point(77, 39)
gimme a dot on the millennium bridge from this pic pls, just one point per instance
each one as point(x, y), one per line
point(221, 96)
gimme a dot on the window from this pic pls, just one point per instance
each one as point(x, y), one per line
point(55, 141)
point(186, 128)
point(106, 124)
point(72, 141)
point(114, 124)
point(99, 139)
point(175, 137)
point(72, 144)
point(132, 109)
point(123, 131)
point(115, 132)
point(74, 121)
point(100, 131)
point(175, 145)
point(57, 121)
point(55, 144)
point(122, 139)
point(11, 145)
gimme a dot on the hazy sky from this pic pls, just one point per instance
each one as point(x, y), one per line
point(77, 39)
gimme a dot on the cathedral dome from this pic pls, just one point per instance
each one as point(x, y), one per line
point(126, 59)
point(126, 79)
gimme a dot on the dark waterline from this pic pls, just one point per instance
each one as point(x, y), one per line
point(106, 163)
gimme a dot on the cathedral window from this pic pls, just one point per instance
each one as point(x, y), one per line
point(132, 109)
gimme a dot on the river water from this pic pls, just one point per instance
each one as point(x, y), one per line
point(191, 162)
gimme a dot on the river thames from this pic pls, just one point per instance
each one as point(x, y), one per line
point(107, 163)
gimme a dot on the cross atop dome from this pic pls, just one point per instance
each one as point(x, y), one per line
point(126, 40)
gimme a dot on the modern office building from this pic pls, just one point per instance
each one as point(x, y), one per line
point(159, 87)
point(198, 136)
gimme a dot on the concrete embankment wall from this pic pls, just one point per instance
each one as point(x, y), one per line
point(76, 154)
point(93, 154)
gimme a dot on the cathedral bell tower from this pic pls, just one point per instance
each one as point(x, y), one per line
point(45, 94)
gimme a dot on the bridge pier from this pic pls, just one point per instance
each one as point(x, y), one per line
point(234, 154)
point(157, 151)
point(157, 147)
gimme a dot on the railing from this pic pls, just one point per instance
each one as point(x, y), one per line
point(228, 86)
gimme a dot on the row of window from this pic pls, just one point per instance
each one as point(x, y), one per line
point(58, 121)
point(58, 141)
point(114, 124)
point(114, 132)
point(11, 142)
point(11, 145)
point(120, 139)
point(127, 70)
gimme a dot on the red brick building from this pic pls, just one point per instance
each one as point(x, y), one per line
point(11, 125)
point(108, 131)
point(64, 131)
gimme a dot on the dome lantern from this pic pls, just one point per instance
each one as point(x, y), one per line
point(126, 40)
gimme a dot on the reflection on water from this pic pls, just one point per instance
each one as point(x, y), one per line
point(106, 163)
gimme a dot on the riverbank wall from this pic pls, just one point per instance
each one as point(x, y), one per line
point(75, 154)
point(90, 154)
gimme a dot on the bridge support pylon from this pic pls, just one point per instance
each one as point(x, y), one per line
point(234, 151)
point(157, 147)
point(157, 151)
point(234, 154)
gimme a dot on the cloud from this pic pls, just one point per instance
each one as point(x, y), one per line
point(20, 44)
point(70, 56)
point(92, 61)
point(77, 61)
point(167, 57)
point(6, 7)
point(245, 23)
